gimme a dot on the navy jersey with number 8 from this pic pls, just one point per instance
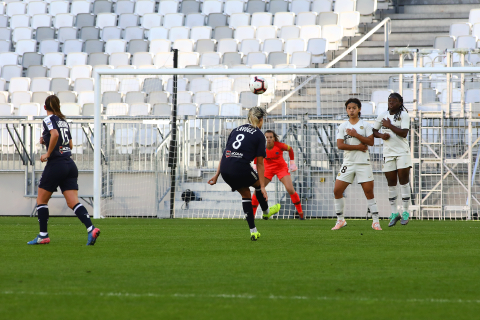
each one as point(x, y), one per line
point(244, 144)
point(62, 148)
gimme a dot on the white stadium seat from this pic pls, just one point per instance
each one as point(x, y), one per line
point(284, 19)
point(239, 19)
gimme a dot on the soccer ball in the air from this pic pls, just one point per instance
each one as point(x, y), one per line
point(258, 85)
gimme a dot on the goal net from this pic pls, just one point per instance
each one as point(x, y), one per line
point(152, 166)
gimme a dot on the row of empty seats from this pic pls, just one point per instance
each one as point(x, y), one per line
point(142, 7)
point(251, 51)
point(125, 109)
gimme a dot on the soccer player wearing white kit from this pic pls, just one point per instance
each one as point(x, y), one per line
point(354, 136)
point(395, 124)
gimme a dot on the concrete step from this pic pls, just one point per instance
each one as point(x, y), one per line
point(423, 23)
point(361, 64)
point(435, 6)
point(430, 15)
point(371, 51)
point(399, 43)
point(406, 36)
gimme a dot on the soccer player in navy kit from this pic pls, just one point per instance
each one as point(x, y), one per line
point(60, 171)
point(244, 144)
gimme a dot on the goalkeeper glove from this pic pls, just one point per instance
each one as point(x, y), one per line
point(293, 166)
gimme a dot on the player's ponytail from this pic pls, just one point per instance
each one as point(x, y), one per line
point(52, 103)
point(275, 136)
point(255, 114)
point(397, 96)
point(357, 102)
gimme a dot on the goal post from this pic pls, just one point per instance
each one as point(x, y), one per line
point(305, 113)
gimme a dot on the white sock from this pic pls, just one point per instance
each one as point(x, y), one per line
point(405, 191)
point(392, 197)
point(339, 205)
point(43, 234)
point(266, 211)
point(90, 228)
point(372, 205)
point(253, 230)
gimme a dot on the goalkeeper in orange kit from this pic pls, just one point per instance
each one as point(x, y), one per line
point(275, 165)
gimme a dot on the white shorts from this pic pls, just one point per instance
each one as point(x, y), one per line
point(398, 162)
point(363, 172)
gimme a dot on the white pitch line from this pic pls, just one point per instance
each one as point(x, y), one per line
point(240, 296)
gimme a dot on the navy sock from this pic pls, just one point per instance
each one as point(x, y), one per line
point(42, 213)
point(248, 209)
point(261, 199)
point(82, 214)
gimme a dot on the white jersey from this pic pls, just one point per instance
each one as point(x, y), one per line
point(354, 156)
point(395, 145)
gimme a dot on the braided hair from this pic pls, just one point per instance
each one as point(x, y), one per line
point(397, 96)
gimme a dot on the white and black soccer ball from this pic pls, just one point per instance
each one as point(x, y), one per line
point(258, 85)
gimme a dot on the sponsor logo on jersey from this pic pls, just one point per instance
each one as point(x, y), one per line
point(63, 149)
point(345, 137)
point(230, 154)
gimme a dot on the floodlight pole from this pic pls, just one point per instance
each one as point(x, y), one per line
point(172, 157)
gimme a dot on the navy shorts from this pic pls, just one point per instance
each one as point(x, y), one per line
point(61, 173)
point(239, 176)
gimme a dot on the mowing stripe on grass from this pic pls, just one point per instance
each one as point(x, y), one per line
point(241, 296)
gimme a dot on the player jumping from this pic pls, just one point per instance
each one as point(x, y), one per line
point(395, 124)
point(354, 136)
point(275, 165)
point(244, 144)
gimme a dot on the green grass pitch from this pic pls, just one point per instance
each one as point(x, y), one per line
point(210, 269)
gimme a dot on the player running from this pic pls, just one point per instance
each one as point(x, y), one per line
point(244, 144)
point(59, 171)
point(275, 165)
point(395, 124)
point(354, 136)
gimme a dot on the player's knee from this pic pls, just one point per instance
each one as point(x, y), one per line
point(337, 193)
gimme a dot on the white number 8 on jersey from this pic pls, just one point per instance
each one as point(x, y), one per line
point(238, 141)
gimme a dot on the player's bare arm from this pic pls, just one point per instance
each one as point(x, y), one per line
point(53, 142)
point(369, 141)
point(215, 177)
point(342, 146)
point(377, 134)
point(398, 131)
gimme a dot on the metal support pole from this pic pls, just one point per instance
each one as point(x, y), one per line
point(462, 84)
point(400, 76)
point(172, 157)
point(317, 87)
point(470, 160)
point(354, 65)
point(387, 32)
point(449, 83)
point(97, 161)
